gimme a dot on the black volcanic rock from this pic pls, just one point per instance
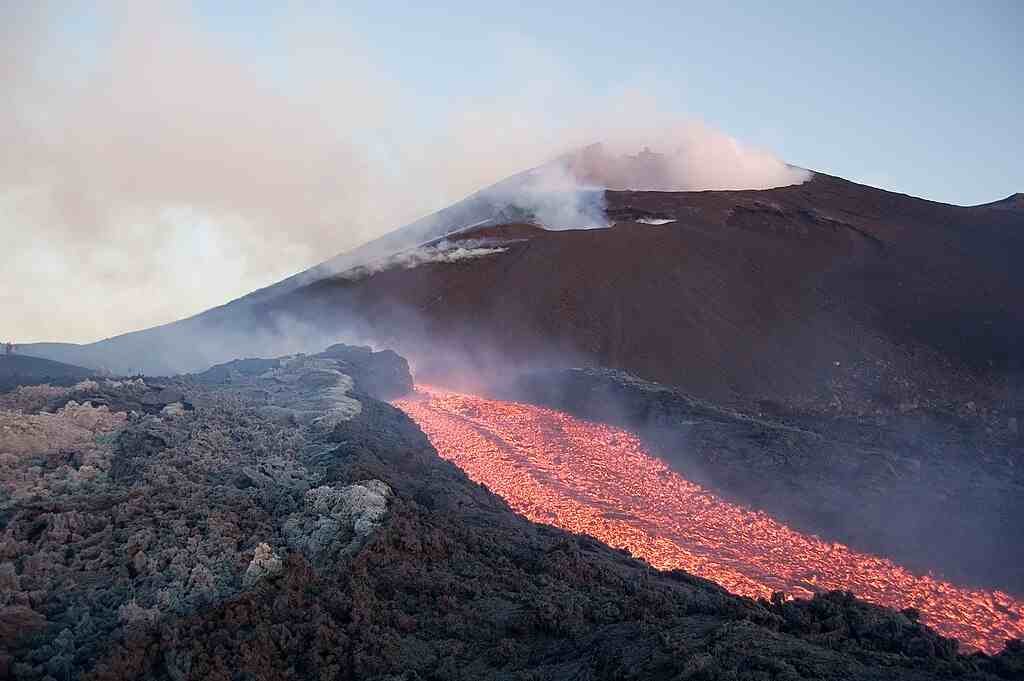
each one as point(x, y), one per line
point(161, 397)
point(218, 544)
point(19, 369)
point(384, 374)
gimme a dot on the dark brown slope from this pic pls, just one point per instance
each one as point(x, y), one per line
point(24, 370)
point(828, 295)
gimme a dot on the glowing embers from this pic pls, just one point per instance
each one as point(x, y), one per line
point(595, 479)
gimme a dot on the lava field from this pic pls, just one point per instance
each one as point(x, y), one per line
point(598, 480)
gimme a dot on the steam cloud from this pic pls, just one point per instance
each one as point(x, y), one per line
point(152, 169)
point(443, 252)
point(684, 157)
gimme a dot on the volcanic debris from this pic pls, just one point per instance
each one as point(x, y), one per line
point(240, 537)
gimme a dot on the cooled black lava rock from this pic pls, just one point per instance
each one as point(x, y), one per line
point(162, 396)
point(385, 374)
point(25, 370)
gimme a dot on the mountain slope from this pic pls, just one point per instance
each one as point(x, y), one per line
point(22, 370)
point(826, 294)
point(199, 341)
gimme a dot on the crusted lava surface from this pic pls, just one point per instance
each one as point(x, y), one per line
point(273, 519)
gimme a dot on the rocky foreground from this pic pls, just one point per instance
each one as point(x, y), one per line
point(275, 519)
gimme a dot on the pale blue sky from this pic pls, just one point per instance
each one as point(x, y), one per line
point(920, 97)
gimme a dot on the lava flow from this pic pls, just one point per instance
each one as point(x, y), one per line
point(598, 480)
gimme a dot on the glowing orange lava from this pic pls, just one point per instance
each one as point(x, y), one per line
point(595, 479)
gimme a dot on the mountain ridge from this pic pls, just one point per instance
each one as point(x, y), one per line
point(929, 279)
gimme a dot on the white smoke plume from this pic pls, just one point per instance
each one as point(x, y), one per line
point(568, 193)
point(152, 169)
point(443, 252)
point(683, 157)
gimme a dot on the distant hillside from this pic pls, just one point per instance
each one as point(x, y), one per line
point(18, 370)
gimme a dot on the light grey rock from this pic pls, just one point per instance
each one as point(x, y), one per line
point(173, 409)
point(265, 564)
point(337, 520)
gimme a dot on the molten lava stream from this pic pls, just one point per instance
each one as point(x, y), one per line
point(598, 480)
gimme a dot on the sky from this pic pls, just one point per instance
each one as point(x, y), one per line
point(163, 158)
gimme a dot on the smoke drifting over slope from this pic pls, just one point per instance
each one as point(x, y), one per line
point(439, 253)
point(684, 157)
point(568, 193)
point(143, 147)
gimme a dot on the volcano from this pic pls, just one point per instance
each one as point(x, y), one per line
point(827, 295)
point(823, 295)
point(819, 382)
point(886, 329)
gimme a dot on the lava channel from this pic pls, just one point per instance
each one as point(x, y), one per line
point(594, 479)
